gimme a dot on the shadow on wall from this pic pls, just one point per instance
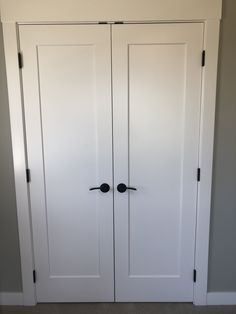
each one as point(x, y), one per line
point(222, 270)
point(10, 272)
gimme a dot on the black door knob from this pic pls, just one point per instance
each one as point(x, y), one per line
point(122, 188)
point(104, 188)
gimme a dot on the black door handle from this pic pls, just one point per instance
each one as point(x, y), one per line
point(122, 188)
point(104, 188)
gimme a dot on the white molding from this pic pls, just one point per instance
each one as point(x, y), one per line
point(108, 10)
point(19, 161)
point(211, 41)
point(11, 298)
point(34, 11)
point(221, 298)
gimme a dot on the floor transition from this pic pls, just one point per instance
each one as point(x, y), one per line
point(118, 308)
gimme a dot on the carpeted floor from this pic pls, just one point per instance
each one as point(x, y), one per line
point(118, 308)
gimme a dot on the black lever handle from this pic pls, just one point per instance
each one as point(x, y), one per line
point(104, 188)
point(122, 188)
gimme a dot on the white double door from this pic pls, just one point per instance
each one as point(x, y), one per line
point(112, 104)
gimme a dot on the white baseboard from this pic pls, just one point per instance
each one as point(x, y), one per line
point(221, 298)
point(11, 298)
point(213, 298)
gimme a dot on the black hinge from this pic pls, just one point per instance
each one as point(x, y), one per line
point(198, 174)
point(119, 22)
point(203, 58)
point(28, 177)
point(102, 22)
point(20, 60)
point(34, 276)
point(194, 275)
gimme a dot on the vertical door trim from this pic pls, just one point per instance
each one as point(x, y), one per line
point(211, 39)
point(207, 125)
point(15, 95)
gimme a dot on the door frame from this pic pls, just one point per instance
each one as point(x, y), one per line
point(79, 12)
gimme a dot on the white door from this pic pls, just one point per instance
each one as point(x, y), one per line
point(67, 100)
point(156, 73)
point(156, 96)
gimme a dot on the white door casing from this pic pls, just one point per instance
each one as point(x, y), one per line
point(14, 13)
point(156, 95)
point(211, 37)
point(67, 100)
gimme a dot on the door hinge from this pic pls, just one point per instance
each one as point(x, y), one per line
point(34, 276)
point(102, 22)
point(20, 60)
point(203, 58)
point(198, 174)
point(194, 275)
point(118, 22)
point(28, 176)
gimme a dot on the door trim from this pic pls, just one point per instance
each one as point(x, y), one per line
point(109, 10)
point(209, 76)
point(207, 125)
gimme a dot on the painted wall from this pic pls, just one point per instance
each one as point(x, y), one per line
point(10, 273)
point(222, 263)
point(222, 270)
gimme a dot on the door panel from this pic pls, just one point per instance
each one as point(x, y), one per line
point(156, 96)
point(66, 152)
point(68, 115)
point(156, 137)
point(67, 96)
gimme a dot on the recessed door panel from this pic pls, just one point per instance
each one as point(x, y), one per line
point(156, 136)
point(66, 81)
point(71, 211)
point(157, 80)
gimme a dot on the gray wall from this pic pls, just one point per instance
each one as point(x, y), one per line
point(222, 263)
point(10, 275)
point(222, 270)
